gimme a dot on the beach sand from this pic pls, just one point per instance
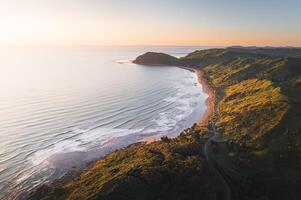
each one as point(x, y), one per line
point(209, 101)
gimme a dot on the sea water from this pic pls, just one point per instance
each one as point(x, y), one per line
point(61, 107)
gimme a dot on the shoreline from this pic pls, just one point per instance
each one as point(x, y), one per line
point(205, 117)
point(209, 103)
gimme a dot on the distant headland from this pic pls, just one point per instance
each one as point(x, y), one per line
point(153, 58)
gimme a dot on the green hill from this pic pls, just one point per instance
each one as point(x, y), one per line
point(260, 110)
point(153, 58)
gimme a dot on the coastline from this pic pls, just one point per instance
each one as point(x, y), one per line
point(206, 116)
point(209, 111)
point(201, 121)
point(176, 163)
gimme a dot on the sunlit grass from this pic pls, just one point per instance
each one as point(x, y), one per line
point(251, 107)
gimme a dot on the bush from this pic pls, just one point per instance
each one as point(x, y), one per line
point(165, 139)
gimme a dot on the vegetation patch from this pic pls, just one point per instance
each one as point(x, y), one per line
point(252, 107)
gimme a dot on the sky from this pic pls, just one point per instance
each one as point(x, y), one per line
point(151, 22)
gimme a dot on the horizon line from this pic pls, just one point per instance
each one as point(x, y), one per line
point(147, 45)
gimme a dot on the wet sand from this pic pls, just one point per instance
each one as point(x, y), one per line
point(209, 101)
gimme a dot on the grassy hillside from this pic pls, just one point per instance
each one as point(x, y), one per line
point(260, 110)
point(257, 93)
point(270, 51)
point(251, 107)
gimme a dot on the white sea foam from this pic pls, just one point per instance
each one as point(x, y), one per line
point(170, 99)
point(126, 61)
point(187, 99)
point(94, 138)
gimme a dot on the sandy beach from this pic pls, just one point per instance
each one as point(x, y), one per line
point(209, 101)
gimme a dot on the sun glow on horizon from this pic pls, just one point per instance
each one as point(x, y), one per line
point(145, 23)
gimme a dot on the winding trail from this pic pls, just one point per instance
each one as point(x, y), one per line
point(212, 166)
point(212, 104)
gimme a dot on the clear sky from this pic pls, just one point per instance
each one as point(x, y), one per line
point(151, 22)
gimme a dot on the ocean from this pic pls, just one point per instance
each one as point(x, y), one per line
point(62, 107)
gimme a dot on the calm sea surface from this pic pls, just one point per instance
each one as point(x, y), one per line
point(63, 106)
